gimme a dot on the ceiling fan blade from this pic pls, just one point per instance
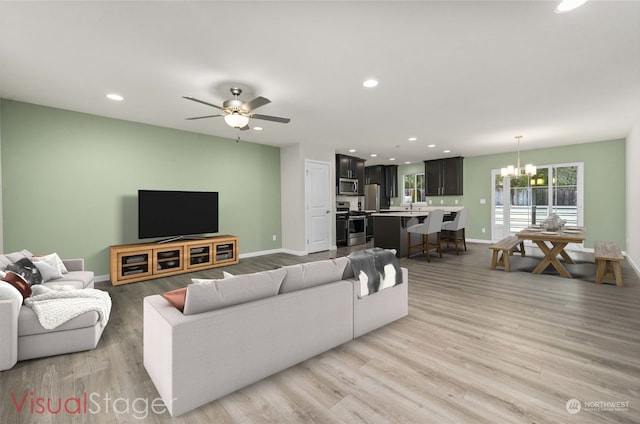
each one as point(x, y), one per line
point(202, 117)
point(255, 103)
point(202, 101)
point(270, 118)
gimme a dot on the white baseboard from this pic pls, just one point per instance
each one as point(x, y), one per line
point(479, 241)
point(101, 278)
point(260, 253)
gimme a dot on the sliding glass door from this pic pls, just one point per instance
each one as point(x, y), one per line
point(518, 202)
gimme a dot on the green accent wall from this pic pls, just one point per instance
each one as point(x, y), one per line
point(70, 181)
point(604, 187)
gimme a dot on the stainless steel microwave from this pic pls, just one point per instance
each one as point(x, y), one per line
point(348, 186)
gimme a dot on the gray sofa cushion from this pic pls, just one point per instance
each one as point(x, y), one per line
point(313, 274)
point(207, 295)
point(77, 279)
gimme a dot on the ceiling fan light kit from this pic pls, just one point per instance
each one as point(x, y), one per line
point(236, 120)
point(236, 113)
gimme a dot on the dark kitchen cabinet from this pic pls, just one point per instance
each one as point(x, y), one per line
point(391, 180)
point(360, 176)
point(444, 177)
point(341, 230)
point(374, 175)
point(386, 176)
point(351, 167)
point(369, 227)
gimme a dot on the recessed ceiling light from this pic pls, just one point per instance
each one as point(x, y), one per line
point(407, 163)
point(257, 128)
point(447, 151)
point(431, 145)
point(412, 139)
point(392, 158)
point(373, 155)
point(568, 5)
point(116, 97)
point(370, 83)
point(352, 150)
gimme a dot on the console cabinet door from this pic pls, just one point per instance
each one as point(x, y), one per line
point(168, 260)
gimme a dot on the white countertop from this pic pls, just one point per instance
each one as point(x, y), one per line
point(422, 211)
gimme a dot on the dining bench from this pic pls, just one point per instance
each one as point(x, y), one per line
point(505, 248)
point(608, 258)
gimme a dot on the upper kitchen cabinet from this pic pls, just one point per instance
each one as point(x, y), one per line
point(351, 168)
point(386, 176)
point(444, 176)
point(360, 175)
point(391, 180)
point(374, 175)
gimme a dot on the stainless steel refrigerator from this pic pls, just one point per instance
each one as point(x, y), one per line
point(374, 198)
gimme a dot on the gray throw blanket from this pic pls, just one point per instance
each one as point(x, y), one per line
point(376, 269)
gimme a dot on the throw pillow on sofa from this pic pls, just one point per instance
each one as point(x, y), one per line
point(207, 295)
point(16, 256)
point(176, 297)
point(54, 260)
point(48, 267)
point(27, 270)
point(7, 259)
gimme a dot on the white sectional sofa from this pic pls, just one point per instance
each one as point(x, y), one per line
point(197, 358)
point(22, 335)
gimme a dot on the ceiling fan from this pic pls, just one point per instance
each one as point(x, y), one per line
point(236, 113)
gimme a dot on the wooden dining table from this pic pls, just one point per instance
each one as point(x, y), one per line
point(552, 244)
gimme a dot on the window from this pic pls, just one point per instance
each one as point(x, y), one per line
point(413, 188)
point(522, 201)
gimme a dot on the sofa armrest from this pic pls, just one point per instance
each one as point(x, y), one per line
point(9, 310)
point(74, 264)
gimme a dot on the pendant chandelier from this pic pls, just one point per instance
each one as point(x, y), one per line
point(517, 171)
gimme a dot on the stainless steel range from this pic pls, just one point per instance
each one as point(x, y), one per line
point(356, 224)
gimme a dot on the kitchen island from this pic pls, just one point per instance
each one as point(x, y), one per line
point(390, 228)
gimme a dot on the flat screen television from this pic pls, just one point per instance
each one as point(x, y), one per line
point(166, 213)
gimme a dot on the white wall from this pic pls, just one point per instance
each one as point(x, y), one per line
point(292, 199)
point(292, 159)
point(633, 197)
point(1, 191)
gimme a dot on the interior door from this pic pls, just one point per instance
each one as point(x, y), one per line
point(318, 206)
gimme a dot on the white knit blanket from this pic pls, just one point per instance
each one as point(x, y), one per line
point(55, 305)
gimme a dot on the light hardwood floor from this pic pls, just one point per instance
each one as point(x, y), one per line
point(478, 346)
